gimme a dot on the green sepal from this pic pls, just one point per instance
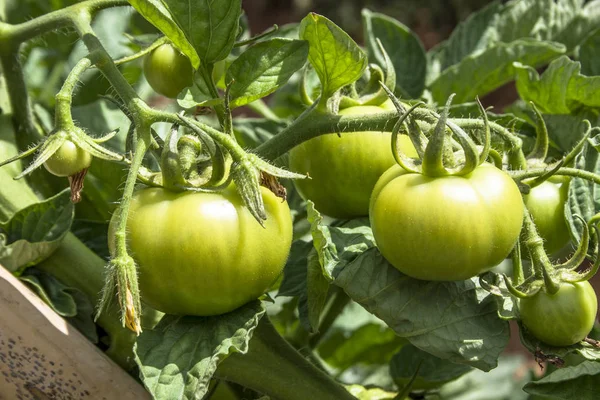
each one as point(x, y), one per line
point(246, 178)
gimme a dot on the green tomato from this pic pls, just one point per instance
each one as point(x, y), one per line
point(68, 160)
point(344, 169)
point(203, 253)
point(563, 318)
point(546, 203)
point(168, 71)
point(446, 228)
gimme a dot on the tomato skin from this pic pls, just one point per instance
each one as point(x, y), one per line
point(546, 203)
point(344, 169)
point(203, 253)
point(168, 71)
point(563, 318)
point(446, 228)
point(68, 160)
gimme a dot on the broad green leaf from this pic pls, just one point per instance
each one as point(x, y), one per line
point(470, 36)
point(178, 358)
point(295, 271)
point(263, 68)
point(66, 301)
point(502, 383)
point(33, 233)
point(336, 58)
point(210, 26)
point(371, 393)
point(490, 69)
point(584, 195)
point(589, 55)
point(368, 344)
point(52, 291)
point(561, 89)
point(312, 304)
point(457, 321)
point(433, 371)
point(158, 15)
point(197, 95)
point(404, 49)
point(568, 22)
point(581, 382)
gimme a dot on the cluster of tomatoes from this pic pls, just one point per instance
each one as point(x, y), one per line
point(444, 228)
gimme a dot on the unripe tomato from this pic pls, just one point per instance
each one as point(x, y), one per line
point(204, 253)
point(446, 228)
point(563, 318)
point(68, 160)
point(168, 71)
point(546, 203)
point(344, 169)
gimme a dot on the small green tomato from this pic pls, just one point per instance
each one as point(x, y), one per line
point(68, 160)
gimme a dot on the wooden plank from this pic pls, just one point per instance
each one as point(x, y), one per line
point(42, 357)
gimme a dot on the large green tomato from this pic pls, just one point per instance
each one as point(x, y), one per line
point(68, 160)
point(546, 203)
point(204, 253)
point(344, 169)
point(563, 318)
point(168, 71)
point(446, 228)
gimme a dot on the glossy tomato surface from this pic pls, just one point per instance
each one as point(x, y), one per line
point(563, 318)
point(447, 228)
point(344, 169)
point(168, 71)
point(204, 253)
point(546, 203)
point(68, 160)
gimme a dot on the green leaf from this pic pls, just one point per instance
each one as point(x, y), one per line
point(158, 15)
point(369, 344)
point(490, 69)
point(561, 89)
point(579, 382)
point(470, 36)
point(404, 49)
point(66, 301)
point(33, 233)
point(502, 383)
point(52, 291)
point(589, 55)
point(295, 271)
point(197, 95)
point(210, 26)
point(178, 358)
point(433, 371)
point(263, 68)
point(333, 54)
point(457, 321)
point(371, 393)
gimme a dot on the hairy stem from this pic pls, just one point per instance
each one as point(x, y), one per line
point(64, 97)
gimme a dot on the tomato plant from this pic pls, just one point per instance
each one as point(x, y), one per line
point(68, 160)
point(546, 203)
point(563, 318)
point(168, 237)
point(188, 250)
point(344, 168)
point(447, 228)
point(168, 71)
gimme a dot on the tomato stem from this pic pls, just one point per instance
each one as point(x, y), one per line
point(275, 368)
point(63, 118)
point(541, 263)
